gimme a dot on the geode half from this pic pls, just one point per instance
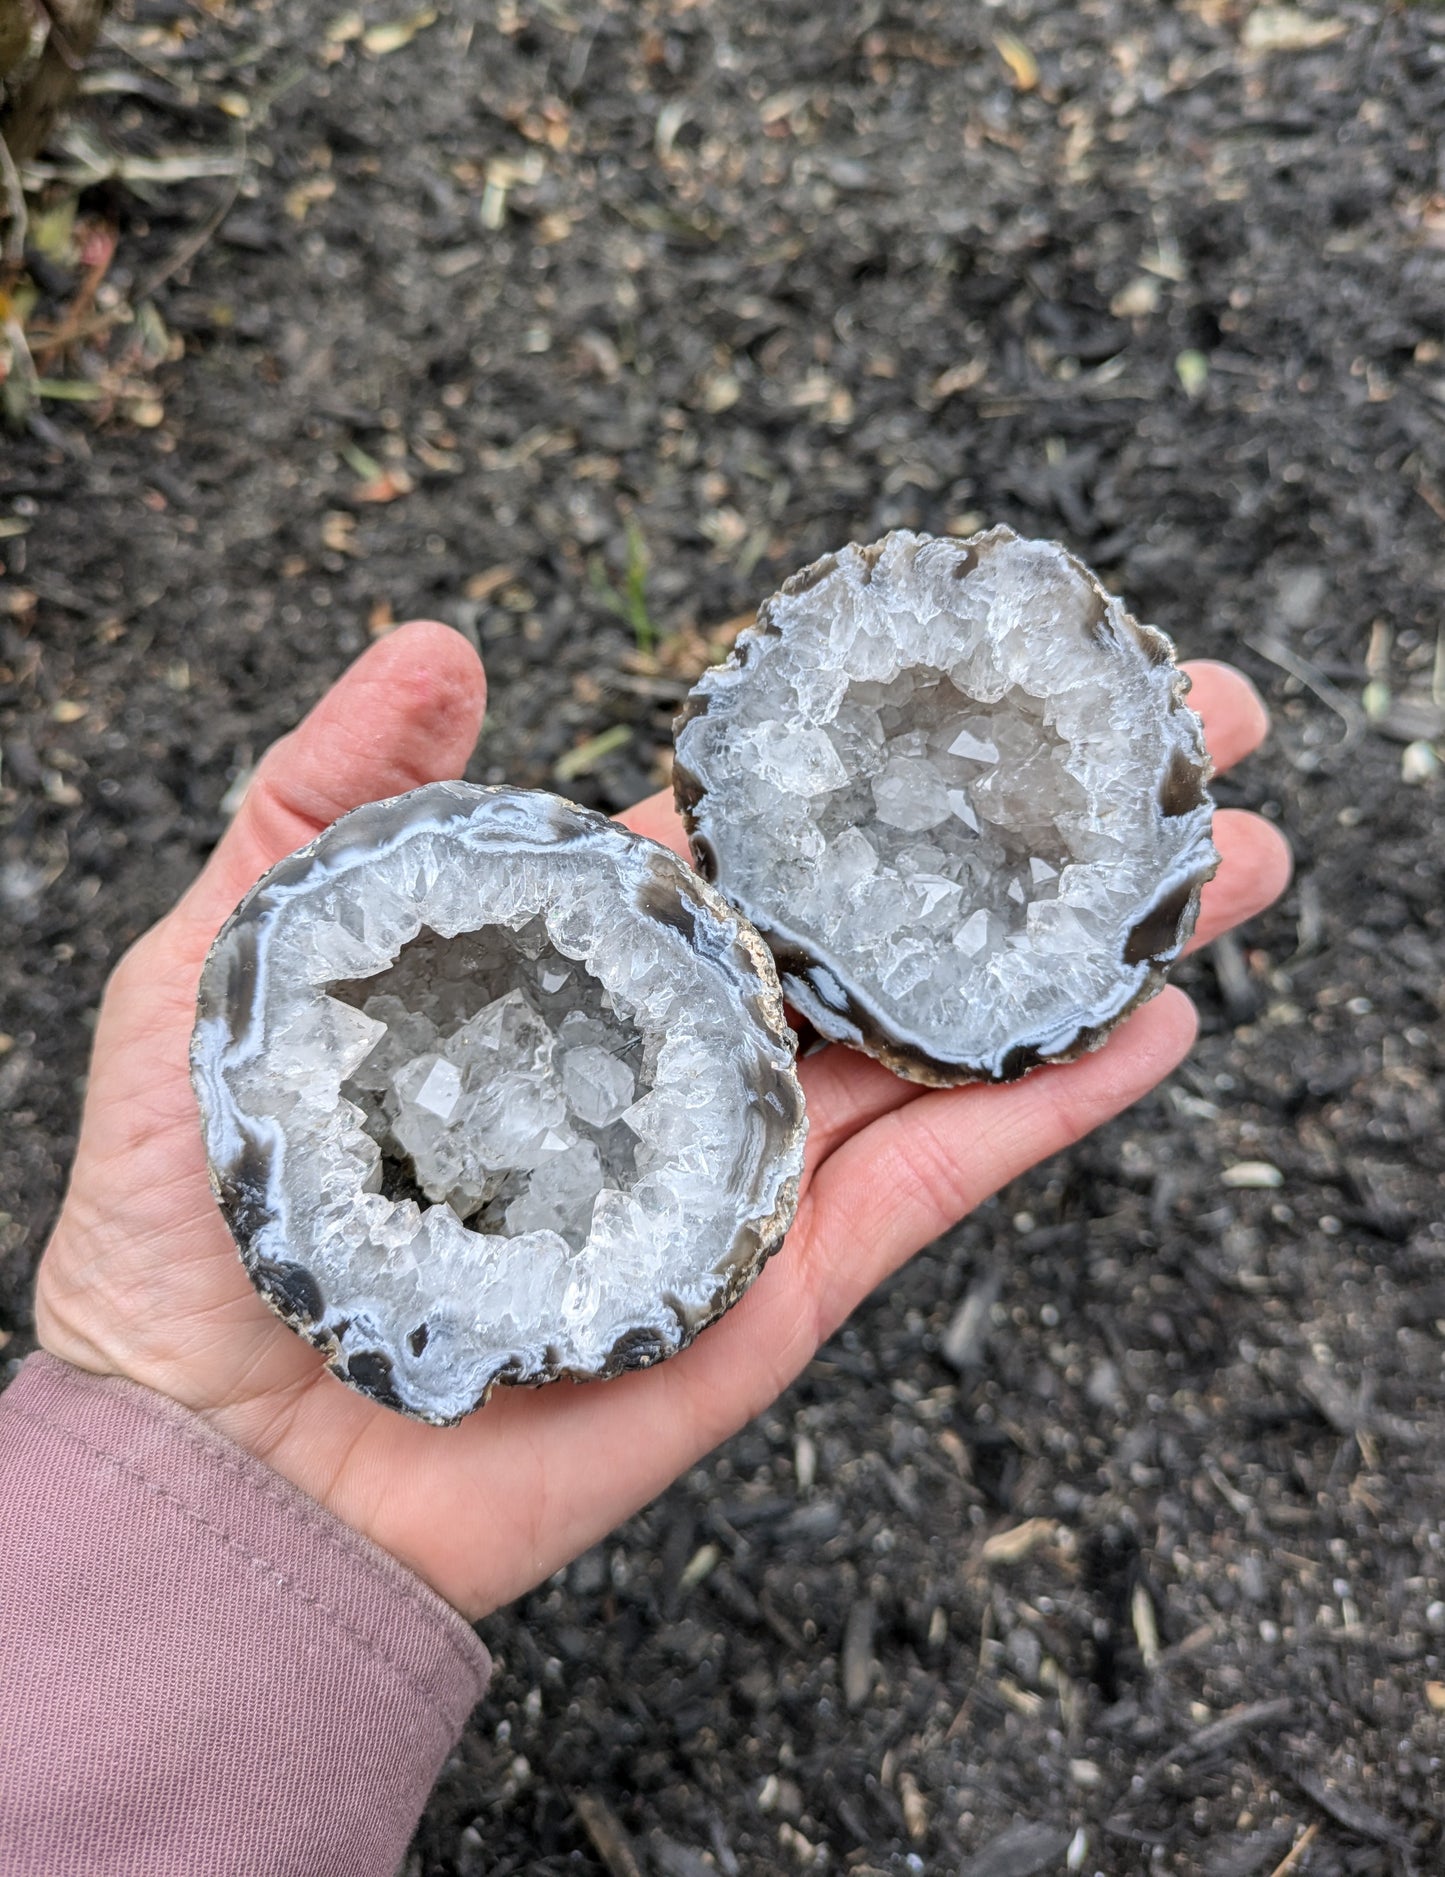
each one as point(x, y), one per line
point(494, 1091)
point(957, 789)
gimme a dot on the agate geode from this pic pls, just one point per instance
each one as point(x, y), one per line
point(494, 1091)
point(957, 789)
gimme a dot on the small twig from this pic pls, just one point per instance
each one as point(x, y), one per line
point(1291, 1858)
point(192, 245)
point(16, 221)
point(608, 1839)
point(58, 36)
point(1221, 1733)
point(75, 316)
point(1431, 497)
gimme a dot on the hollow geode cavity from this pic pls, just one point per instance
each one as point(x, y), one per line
point(957, 789)
point(494, 1091)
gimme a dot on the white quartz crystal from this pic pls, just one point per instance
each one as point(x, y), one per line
point(494, 1091)
point(598, 1085)
point(1008, 848)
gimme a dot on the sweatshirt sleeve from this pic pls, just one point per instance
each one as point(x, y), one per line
point(201, 1670)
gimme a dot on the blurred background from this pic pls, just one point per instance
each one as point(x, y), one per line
point(1109, 1537)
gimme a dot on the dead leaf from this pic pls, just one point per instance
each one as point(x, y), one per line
point(719, 392)
point(1022, 64)
point(146, 413)
point(1146, 1629)
point(1136, 301)
point(338, 532)
point(1252, 1176)
point(1018, 1541)
point(609, 1840)
point(483, 586)
point(1192, 370)
point(441, 462)
point(50, 230)
point(1286, 29)
point(915, 1812)
point(300, 199)
point(959, 378)
point(817, 391)
point(96, 244)
point(392, 35)
point(385, 487)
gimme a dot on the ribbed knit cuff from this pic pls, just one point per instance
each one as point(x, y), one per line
point(203, 1670)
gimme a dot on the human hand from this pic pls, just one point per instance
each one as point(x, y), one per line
point(141, 1278)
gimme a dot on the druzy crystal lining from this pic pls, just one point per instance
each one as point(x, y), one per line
point(957, 789)
point(507, 1084)
point(494, 1091)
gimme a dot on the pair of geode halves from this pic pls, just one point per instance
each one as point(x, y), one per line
point(495, 1092)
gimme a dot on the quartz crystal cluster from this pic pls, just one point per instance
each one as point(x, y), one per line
point(958, 790)
point(494, 1091)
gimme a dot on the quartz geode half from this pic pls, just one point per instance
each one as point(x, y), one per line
point(494, 1091)
point(957, 789)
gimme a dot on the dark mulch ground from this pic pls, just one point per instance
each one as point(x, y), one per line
point(657, 302)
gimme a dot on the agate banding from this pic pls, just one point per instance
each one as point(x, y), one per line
point(958, 790)
point(494, 1091)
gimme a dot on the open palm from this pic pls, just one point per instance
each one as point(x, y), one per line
point(141, 1279)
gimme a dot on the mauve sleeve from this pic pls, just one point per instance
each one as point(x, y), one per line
point(202, 1672)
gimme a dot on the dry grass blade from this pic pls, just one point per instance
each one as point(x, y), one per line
point(1345, 708)
point(12, 199)
point(585, 758)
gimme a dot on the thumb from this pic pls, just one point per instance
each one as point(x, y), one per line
point(407, 712)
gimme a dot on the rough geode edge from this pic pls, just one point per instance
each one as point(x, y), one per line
point(230, 973)
point(1155, 942)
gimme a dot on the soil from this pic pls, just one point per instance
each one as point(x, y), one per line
point(1111, 1536)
